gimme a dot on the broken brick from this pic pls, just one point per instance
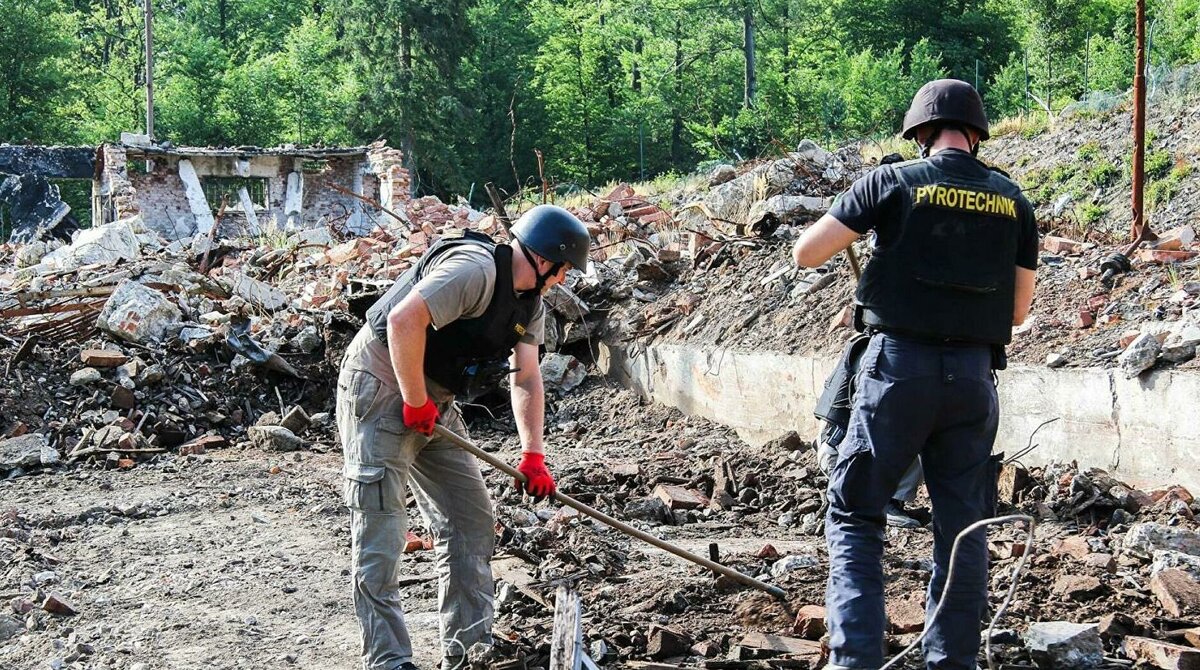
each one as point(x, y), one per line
point(677, 497)
point(842, 319)
point(810, 622)
point(102, 358)
point(1143, 650)
point(1176, 591)
point(1171, 493)
point(1078, 587)
point(768, 552)
point(1075, 546)
point(1163, 257)
point(201, 445)
point(907, 615)
point(1128, 338)
point(1104, 562)
point(413, 542)
point(663, 643)
point(56, 603)
point(122, 398)
point(1175, 239)
point(1061, 245)
point(1083, 319)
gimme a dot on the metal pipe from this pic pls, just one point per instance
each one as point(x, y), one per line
point(1139, 121)
point(606, 519)
point(149, 5)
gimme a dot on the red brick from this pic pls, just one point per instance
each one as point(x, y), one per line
point(413, 542)
point(1083, 319)
point(56, 603)
point(1153, 653)
point(201, 445)
point(1073, 545)
point(842, 319)
point(1061, 245)
point(677, 497)
point(1162, 257)
point(810, 622)
point(1177, 592)
point(768, 551)
point(102, 358)
point(907, 615)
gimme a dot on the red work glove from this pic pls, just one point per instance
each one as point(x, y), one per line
point(421, 419)
point(540, 484)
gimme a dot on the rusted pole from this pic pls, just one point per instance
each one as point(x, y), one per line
point(498, 204)
point(1139, 121)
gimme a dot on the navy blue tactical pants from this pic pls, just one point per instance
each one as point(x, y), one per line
point(938, 402)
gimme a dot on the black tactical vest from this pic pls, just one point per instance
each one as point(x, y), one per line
point(460, 352)
point(948, 271)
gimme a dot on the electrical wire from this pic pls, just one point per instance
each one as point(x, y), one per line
point(1012, 589)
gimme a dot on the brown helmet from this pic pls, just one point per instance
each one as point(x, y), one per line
point(947, 100)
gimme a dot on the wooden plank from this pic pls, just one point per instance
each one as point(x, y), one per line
point(566, 636)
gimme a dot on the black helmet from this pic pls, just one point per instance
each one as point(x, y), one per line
point(554, 234)
point(948, 100)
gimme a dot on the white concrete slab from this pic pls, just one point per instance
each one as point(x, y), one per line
point(1144, 431)
point(195, 196)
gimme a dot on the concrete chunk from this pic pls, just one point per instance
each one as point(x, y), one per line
point(103, 244)
point(138, 313)
point(1064, 645)
point(1146, 538)
point(27, 451)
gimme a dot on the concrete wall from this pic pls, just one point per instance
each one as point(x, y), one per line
point(1145, 431)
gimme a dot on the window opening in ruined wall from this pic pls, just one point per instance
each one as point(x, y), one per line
point(217, 187)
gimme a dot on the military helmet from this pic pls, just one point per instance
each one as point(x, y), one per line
point(946, 100)
point(554, 234)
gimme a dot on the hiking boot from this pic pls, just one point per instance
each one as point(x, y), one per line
point(408, 665)
point(898, 517)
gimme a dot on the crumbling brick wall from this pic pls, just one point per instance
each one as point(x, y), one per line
point(162, 198)
point(387, 165)
point(118, 196)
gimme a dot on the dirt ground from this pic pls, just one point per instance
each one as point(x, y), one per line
point(239, 558)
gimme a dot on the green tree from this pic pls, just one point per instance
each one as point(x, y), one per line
point(35, 71)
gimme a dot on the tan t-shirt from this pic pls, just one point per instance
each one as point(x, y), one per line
point(458, 285)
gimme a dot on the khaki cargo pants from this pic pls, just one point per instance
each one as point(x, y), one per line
point(382, 457)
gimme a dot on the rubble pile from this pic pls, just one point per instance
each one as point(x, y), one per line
point(1112, 572)
point(206, 364)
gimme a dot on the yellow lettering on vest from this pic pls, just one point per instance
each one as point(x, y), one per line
point(972, 198)
point(952, 195)
point(1011, 207)
point(940, 196)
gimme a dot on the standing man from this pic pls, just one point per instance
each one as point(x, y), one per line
point(466, 316)
point(951, 273)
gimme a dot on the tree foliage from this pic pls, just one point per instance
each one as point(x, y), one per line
point(472, 90)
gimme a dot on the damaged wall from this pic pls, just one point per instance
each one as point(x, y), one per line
point(1143, 430)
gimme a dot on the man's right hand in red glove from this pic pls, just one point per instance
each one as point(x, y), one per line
point(421, 419)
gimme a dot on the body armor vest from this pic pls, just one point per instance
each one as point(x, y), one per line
point(468, 356)
point(948, 271)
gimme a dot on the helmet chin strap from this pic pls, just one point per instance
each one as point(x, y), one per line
point(541, 278)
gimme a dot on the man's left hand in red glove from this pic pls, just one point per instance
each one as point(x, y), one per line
point(539, 483)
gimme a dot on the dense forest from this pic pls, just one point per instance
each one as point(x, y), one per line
point(478, 90)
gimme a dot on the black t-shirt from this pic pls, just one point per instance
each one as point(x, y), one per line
point(872, 202)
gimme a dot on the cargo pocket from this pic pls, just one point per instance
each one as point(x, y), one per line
point(363, 487)
point(851, 485)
